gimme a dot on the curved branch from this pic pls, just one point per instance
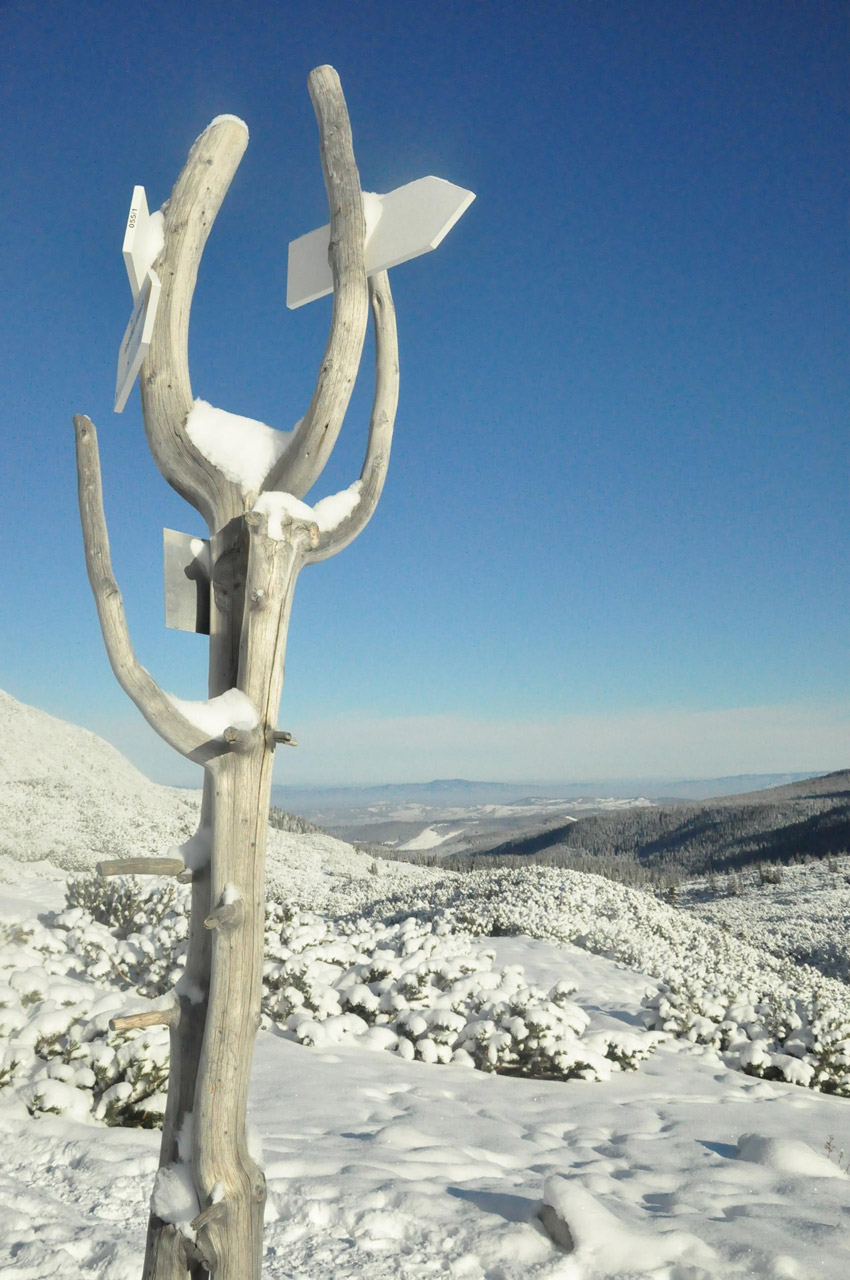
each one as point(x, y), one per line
point(384, 406)
point(165, 386)
point(308, 451)
point(137, 683)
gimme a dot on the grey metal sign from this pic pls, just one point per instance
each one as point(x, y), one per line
point(186, 572)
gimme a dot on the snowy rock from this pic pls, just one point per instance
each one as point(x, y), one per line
point(607, 1245)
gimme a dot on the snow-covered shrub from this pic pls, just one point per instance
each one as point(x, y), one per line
point(126, 931)
point(424, 990)
point(766, 1014)
point(60, 1055)
point(420, 988)
point(802, 917)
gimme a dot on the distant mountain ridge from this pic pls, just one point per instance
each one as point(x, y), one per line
point(463, 791)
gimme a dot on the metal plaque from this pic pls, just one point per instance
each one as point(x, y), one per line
point(186, 573)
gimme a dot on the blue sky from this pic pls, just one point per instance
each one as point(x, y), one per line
point(613, 537)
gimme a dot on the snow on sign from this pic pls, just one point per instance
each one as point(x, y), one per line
point(137, 338)
point(403, 224)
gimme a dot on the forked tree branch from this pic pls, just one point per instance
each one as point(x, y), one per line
point(134, 679)
point(384, 406)
point(308, 451)
point(164, 383)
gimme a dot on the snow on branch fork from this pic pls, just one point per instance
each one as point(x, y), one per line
point(248, 482)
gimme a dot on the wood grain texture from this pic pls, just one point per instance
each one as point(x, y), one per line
point(135, 680)
point(382, 421)
point(310, 447)
point(164, 381)
point(242, 793)
point(141, 867)
point(149, 1018)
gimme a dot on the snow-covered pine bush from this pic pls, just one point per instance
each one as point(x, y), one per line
point(60, 1055)
point(126, 932)
point(803, 916)
point(423, 990)
point(404, 974)
point(767, 1015)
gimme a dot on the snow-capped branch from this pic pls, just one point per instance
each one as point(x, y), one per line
point(156, 706)
point(381, 424)
point(165, 385)
point(308, 451)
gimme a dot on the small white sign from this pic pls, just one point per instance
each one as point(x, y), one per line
point(413, 220)
point(137, 338)
point(142, 240)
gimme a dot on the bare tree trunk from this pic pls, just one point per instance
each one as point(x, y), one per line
point(215, 1011)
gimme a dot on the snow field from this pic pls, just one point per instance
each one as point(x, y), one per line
point(382, 1167)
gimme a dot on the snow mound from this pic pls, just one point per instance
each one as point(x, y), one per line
point(787, 1155)
point(605, 1244)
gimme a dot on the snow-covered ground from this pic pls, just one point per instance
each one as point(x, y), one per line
point(382, 1167)
point(430, 838)
point(381, 1164)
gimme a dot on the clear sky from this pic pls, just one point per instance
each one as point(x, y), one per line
point(613, 538)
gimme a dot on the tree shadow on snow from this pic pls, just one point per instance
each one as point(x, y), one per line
point(511, 1208)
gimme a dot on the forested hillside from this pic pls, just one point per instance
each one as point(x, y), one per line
point(808, 819)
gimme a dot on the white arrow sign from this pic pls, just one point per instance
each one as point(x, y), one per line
point(143, 240)
point(137, 339)
point(405, 223)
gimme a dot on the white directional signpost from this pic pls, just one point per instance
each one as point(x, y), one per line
point(401, 225)
point(142, 244)
point(143, 240)
point(137, 339)
point(405, 223)
point(236, 586)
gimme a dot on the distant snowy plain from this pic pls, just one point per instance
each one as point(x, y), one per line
point(381, 1164)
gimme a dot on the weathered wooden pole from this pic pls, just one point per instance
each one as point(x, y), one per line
point(259, 539)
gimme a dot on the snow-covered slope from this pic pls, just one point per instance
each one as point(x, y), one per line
point(69, 799)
